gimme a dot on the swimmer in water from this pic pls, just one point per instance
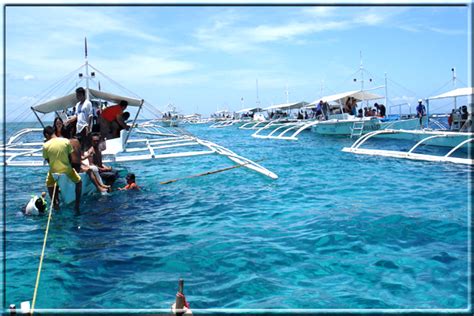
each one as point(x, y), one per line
point(36, 206)
point(131, 185)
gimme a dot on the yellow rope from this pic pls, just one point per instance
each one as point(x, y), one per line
point(42, 251)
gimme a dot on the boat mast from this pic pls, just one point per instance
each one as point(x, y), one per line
point(386, 93)
point(453, 71)
point(258, 100)
point(87, 68)
point(361, 69)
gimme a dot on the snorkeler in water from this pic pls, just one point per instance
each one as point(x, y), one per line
point(36, 206)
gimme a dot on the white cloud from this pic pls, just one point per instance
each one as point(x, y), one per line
point(321, 12)
point(29, 77)
point(417, 28)
point(226, 35)
point(410, 28)
point(27, 99)
point(142, 67)
point(446, 31)
point(371, 19)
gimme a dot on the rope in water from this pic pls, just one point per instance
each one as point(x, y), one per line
point(42, 252)
point(210, 172)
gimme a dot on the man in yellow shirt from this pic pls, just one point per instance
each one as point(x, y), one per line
point(57, 151)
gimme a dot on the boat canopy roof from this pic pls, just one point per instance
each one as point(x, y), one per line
point(70, 100)
point(221, 112)
point(460, 92)
point(287, 106)
point(342, 97)
point(249, 110)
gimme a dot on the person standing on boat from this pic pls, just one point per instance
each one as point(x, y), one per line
point(318, 109)
point(348, 106)
point(420, 111)
point(59, 128)
point(326, 110)
point(57, 152)
point(83, 117)
point(381, 109)
point(111, 119)
point(354, 107)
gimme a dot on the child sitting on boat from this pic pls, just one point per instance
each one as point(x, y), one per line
point(131, 185)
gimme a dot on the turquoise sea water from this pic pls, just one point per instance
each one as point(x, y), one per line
point(336, 230)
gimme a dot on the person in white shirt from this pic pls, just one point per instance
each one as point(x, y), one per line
point(83, 116)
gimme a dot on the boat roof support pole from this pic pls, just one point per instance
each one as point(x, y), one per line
point(427, 112)
point(386, 96)
point(42, 125)
point(133, 124)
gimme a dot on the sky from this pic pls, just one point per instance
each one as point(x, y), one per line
point(208, 58)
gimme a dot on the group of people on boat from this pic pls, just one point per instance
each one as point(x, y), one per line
point(459, 120)
point(170, 116)
point(87, 117)
point(73, 147)
point(378, 111)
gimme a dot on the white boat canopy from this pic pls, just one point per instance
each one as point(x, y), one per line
point(70, 100)
point(342, 97)
point(221, 112)
point(287, 106)
point(460, 92)
point(249, 110)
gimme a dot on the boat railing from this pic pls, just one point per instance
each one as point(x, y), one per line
point(281, 131)
point(188, 140)
point(426, 136)
point(221, 124)
point(253, 125)
point(14, 138)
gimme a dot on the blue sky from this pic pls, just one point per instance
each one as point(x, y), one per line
point(205, 58)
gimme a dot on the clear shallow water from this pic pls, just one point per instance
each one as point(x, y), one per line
point(336, 230)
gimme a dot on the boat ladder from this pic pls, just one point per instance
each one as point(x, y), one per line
point(357, 128)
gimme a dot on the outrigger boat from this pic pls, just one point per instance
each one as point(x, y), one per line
point(337, 122)
point(344, 124)
point(278, 115)
point(171, 117)
point(24, 148)
point(239, 118)
point(459, 137)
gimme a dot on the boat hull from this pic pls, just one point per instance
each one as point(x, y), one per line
point(169, 123)
point(451, 140)
point(344, 127)
point(67, 188)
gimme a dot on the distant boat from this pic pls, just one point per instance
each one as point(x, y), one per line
point(459, 136)
point(345, 124)
point(171, 117)
point(239, 118)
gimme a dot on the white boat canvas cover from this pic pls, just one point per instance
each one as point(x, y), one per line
point(70, 100)
point(222, 112)
point(342, 97)
point(287, 106)
point(249, 110)
point(460, 92)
